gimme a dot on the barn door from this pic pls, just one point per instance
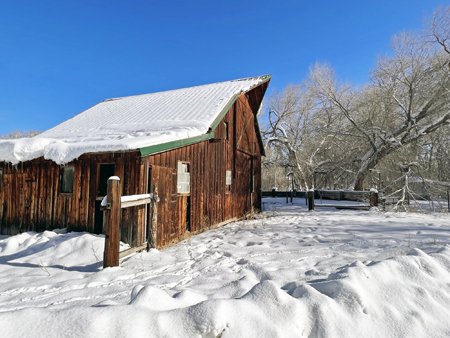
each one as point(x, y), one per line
point(163, 219)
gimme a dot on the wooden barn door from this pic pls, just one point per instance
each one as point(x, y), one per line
point(163, 227)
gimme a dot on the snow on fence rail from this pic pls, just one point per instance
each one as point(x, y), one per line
point(112, 205)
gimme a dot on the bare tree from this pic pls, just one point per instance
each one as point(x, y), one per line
point(440, 28)
point(326, 125)
point(298, 128)
point(407, 99)
point(20, 134)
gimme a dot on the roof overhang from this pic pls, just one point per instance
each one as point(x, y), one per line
point(159, 148)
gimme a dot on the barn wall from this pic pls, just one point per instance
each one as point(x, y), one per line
point(210, 202)
point(30, 197)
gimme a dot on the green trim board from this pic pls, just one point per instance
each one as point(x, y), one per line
point(159, 148)
point(224, 112)
point(233, 99)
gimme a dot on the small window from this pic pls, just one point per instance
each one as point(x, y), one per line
point(183, 178)
point(67, 180)
point(228, 180)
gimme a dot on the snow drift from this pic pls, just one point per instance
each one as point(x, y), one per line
point(289, 273)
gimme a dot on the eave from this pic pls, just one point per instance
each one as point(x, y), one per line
point(159, 148)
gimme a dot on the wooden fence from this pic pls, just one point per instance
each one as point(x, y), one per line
point(340, 195)
point(337, 195)
point(112, 207)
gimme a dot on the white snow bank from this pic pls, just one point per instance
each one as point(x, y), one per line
point(288, 273)
point(130, 123)
point(50, 248)
point(403, 297)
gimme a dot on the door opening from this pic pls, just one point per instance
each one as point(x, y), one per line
point(188, 214)
point(104, 172)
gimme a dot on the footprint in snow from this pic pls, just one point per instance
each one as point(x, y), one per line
point(254, 243)
point(242, 261)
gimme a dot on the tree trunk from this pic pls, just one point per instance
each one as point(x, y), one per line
point(369, 161)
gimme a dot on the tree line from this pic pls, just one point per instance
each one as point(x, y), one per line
point(329, 133)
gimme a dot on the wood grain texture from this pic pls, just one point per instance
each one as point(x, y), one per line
point(31, 200)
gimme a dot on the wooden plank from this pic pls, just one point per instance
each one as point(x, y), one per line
point(141, 211)
point(125, 253)
point(84, 195)
point(143, 199)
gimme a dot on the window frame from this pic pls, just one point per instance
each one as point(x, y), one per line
point(180, 164)
point(65, 170)
point(228, 184)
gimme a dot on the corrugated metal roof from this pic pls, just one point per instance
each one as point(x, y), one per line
point(132, 122)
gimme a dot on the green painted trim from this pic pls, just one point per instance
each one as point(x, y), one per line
point(159, 148)
point(230, 103)
point(224, 112)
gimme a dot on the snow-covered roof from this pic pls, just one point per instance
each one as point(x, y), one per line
point(132, 122)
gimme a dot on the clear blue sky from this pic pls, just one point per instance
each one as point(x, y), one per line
point(60, 57)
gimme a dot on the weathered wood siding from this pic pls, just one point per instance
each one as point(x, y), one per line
point(210, 201)
point(30, 197)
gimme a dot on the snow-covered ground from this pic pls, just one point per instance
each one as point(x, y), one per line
point(287, 273)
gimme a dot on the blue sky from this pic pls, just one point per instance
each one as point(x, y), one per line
point(59, 57)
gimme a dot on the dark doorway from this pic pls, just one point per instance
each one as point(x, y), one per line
point(104, 172)
point(188, 214)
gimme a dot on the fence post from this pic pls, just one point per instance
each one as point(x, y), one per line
point(448, 200)
point(373, 199)
point(111, 218)
point(310, 194)
point(154, 219)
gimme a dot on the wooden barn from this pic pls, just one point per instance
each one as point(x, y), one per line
point(198, 149)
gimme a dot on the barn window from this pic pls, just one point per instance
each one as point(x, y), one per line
point(183, 178)
point(67, 180)
point(228, 180)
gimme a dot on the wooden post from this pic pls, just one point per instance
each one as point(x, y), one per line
point(111, 218)
point(373, 199)
point(310, 199)
point(151, 241)
point(448, 200)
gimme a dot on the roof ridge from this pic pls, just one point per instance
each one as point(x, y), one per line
point(262, 77)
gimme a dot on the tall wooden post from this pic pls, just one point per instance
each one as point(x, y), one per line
point(151, 241)
point(310, 194)
point(373, 199)
point(448, 200)
point(111, 218)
